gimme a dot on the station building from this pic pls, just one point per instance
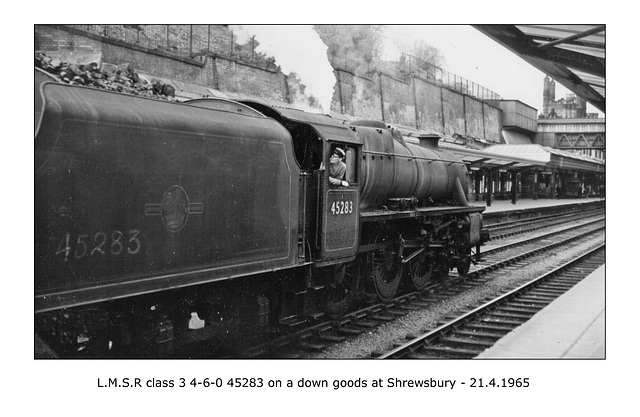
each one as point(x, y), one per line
point(565, 145)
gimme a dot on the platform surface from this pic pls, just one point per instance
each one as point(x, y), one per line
point(571, 327)
point(527, 203)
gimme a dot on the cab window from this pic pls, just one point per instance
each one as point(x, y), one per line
point(350, 160)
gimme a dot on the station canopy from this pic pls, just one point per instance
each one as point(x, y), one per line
point(573, 55)
point(474, 158)
point(549, 157)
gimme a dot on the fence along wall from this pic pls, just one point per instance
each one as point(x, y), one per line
point(207, 55)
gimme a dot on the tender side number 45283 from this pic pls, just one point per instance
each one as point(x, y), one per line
point(99, 244)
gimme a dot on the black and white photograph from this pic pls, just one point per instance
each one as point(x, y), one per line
point(326, 191)
point(256, 212)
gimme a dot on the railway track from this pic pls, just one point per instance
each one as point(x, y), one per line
point(317, 337)
point(474, 331)
point(511, 228)
point(542, 242)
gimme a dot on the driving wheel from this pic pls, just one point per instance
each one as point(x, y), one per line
point(421, 270)
point(386, 272)
point(464, 254)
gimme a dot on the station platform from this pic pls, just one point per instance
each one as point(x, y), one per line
point(529, 203)
point(571, 327)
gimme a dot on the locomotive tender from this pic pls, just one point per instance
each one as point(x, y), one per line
point(159, 224)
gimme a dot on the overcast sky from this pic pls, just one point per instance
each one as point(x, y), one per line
point(472, 55)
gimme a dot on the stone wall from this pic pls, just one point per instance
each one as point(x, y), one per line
point(73, 44)
point(453, 112)
point(359, 96)
point(492, 123)
point(236, 77)
point(159, 65)
point(399, 106)
point(206, 55)
point(474, 120)
point(429, 98)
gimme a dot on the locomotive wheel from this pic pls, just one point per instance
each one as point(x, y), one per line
point(421, 270)
point(440, 268)
point(341, 289)
point(464, 264)
point(386, 274)
point(464, 254)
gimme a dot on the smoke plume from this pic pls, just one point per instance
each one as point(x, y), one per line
point(297, 49)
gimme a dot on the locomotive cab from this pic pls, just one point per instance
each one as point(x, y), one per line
point(329, 213)
point(339, 203)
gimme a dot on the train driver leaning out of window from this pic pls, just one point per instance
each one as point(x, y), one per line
point(337, 168)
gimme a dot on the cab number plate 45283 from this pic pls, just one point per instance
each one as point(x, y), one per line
point(342, 207)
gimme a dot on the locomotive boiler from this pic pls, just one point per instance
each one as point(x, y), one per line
point(162, 224)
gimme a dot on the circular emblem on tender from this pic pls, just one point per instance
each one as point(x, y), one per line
point(175, 208)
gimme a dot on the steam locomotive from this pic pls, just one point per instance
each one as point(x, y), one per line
point(159, 224)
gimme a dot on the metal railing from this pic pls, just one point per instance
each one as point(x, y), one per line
point(406, 66)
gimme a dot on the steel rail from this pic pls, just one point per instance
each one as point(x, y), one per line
point(534, 238)
point(438, 332)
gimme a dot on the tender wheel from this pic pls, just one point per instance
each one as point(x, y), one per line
point(386, 273)
point(341, 289)
point(421, 270)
